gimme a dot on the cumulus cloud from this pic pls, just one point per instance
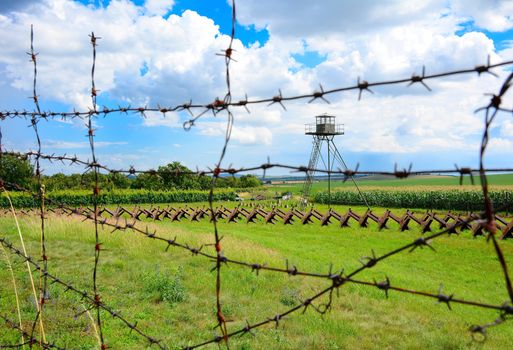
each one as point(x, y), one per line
point(158, 7)
point(146, 59)
point(157, 119)
point(495, 16)
point(244, 135)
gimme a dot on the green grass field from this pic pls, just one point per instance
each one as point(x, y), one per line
point(411, 183)
point(171, 295)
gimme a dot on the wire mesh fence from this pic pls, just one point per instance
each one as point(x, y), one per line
point(37, 334)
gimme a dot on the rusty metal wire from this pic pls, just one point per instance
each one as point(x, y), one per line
point(338, 279)
point(321, 301)
point(42, 278)
point(92, 299)
point(491, 112)
point(346, 173)
point(220, 105)
point(31, 340)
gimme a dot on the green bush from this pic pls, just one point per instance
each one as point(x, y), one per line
point(165, 288)
point(290, 297)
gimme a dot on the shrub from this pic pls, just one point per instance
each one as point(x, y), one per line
point(165, 288)
point(128, 196)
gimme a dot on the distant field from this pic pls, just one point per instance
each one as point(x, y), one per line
point(171, 295)
point(500, 181)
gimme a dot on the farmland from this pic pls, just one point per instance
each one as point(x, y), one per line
point(414, 183)
point(170, 294)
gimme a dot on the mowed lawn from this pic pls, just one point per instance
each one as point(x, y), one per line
point(171, 295)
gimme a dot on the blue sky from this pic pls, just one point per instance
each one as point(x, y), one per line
point(159, 52)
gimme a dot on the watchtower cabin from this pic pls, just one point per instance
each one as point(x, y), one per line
point(324, 126)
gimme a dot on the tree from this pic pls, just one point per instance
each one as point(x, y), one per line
point(147, 181)
point(117, 180)
point(16, 170)
point(177, 176)
point(247, 181)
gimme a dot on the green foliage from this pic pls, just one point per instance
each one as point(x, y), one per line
point(173, 176)
point(86, 181)
point(129, 196)
point(165, 288)
point(247, 181)
point(16, 170)
point(290, 297)
point(148, 182)
point(443, 200)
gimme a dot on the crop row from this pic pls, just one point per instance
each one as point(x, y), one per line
point(443, 200)
point(85, 198)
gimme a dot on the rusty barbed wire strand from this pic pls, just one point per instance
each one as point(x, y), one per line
point(31, 340)
point(347, 173)
point(221, 319)
point(494, 105)
point(96, 191)
point(219, 105)
point(95, 302)
point(337, 279)
point(42, 279)
point(340, 279)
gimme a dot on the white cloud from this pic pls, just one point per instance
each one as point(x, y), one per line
point(170, 119)
point(500, 145)
point(57, 144)
point(243, 135)
point(158, 7)
point(506, 129)
point(495, 16)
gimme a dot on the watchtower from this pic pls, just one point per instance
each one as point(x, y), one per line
point(324, 127)
point(324, 131)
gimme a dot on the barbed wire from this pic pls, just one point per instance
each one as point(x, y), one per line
point(338, 278)
point(219, 258)
point(31, 340)
point(96, 192)
point(42, 278)
point(220, 105)
point(491, 112)
point(346, 173)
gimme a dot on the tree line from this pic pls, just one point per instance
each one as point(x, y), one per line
point(173, 176)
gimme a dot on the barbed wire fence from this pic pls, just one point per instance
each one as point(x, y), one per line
point(321, 301)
